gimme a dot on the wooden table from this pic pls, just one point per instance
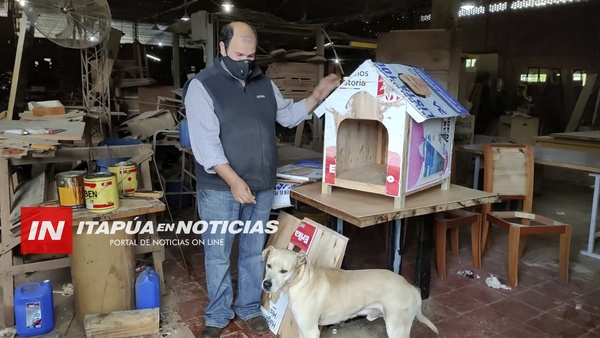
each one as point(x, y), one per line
point(562, 158)
point(364, 209)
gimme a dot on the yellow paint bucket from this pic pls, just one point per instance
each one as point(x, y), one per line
point(101, 193)
point(70, 189)
point(127, 181)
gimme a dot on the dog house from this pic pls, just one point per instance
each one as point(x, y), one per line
point(389, 130)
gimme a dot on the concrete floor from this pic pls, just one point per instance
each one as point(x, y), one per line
point(458, 306)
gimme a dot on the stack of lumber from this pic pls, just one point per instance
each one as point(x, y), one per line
point(295, 80)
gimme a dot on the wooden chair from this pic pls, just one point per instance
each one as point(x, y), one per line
point(453, 220)
point(509, 172)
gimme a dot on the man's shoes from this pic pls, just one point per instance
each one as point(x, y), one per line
point(258, 325)
point(211, 332)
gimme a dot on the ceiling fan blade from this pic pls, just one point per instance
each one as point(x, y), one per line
point(68, 32)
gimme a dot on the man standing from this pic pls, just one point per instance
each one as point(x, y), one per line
point(232, 110)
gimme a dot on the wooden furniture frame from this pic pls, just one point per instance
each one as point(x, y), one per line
point(562, 158)
point(11, 264)
point(517, 232)
point(453, 220)
point(509, 172)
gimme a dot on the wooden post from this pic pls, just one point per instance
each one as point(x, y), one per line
point(317, 127)
point(444, 13)
point(175, 65)
point(17, 66)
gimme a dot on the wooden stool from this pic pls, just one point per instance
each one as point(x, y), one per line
point(516, 231)
point(453, 220)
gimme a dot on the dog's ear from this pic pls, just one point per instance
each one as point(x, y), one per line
point(301, 259)
point(265, 253)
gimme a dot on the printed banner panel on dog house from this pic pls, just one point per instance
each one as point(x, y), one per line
point(380, 116)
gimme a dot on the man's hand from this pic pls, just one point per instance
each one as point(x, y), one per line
point(322, 90)
point(242, 193)
point(326, 86)
point(239, 189)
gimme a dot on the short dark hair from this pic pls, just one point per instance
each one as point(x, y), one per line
point(227, 33)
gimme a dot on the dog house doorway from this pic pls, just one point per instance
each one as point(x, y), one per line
point(361, 158)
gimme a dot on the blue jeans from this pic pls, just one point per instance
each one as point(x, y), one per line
point(215, 205)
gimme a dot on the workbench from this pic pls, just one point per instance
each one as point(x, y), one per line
point(365, 209)
point(563, 158)
point(12, 263)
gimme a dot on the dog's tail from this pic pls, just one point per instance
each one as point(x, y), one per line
point(420, 317)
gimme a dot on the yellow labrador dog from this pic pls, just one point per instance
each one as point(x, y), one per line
point(319, 296)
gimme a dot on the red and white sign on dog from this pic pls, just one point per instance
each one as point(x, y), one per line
point(302, 238)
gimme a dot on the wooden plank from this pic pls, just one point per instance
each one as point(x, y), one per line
point(581, 103)
point(68, 117)
point(371, 174)
point(350, 205)
point(123, 324)
point(29, 140)
point(593, 136)
point(37, 266)
point(89, 153)
point(551, 142)
point(17, 67)
point(299, 133)
point(73, 132)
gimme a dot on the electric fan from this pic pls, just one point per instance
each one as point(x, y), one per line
point(75, 24)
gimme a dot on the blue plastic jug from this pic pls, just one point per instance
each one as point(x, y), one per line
point(147, 290)
point(184, 134)
point(34, 309)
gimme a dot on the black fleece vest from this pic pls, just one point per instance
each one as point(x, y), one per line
point(247, 117)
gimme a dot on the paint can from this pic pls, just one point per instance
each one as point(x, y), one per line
point(70, 189)
point(101, 193)
point(127, 181)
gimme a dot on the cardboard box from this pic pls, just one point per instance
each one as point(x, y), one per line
point(519, 129)
point(323, 246)
point(389, 130)
point(44, 108)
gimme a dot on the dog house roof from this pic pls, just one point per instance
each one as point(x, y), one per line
point(388, 82)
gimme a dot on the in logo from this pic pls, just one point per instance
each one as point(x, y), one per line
point(46, 230)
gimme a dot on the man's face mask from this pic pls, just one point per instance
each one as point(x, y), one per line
point(240, 69)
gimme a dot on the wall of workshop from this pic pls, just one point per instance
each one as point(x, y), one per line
point(565, 38)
